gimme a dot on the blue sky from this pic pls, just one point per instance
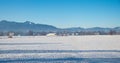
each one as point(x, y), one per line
point(63, 13)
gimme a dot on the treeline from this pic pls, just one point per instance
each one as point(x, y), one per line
point(60, 33)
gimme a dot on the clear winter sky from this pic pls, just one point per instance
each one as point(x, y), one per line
point(63, 13)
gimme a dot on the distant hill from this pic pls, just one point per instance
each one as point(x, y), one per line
point(26, 26)
point(73, 29)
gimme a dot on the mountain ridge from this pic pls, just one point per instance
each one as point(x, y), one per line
point(16, 26)
point(25, 26)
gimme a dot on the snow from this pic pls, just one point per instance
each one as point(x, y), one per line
point(70, 45)
point(62, 55)
point(97, 42)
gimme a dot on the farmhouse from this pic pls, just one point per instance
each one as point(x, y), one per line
point(51, 34)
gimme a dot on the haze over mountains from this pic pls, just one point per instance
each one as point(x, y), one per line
point(25, 26)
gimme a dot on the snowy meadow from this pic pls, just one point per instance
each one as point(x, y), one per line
point(60, 49)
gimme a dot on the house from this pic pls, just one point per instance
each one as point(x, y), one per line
point(10, 35)
point(51, 34)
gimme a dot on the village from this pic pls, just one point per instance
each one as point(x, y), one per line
point(62, 33)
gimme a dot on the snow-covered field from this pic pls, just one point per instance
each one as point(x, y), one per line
point(69, 49)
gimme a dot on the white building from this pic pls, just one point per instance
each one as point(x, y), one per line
point(51, 34)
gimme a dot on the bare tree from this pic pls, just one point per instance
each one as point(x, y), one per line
point(1, 33)
point(30, 33)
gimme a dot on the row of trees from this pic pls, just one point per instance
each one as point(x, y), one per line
point(60, 33)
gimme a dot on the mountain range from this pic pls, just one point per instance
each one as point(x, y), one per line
point(26, 26)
